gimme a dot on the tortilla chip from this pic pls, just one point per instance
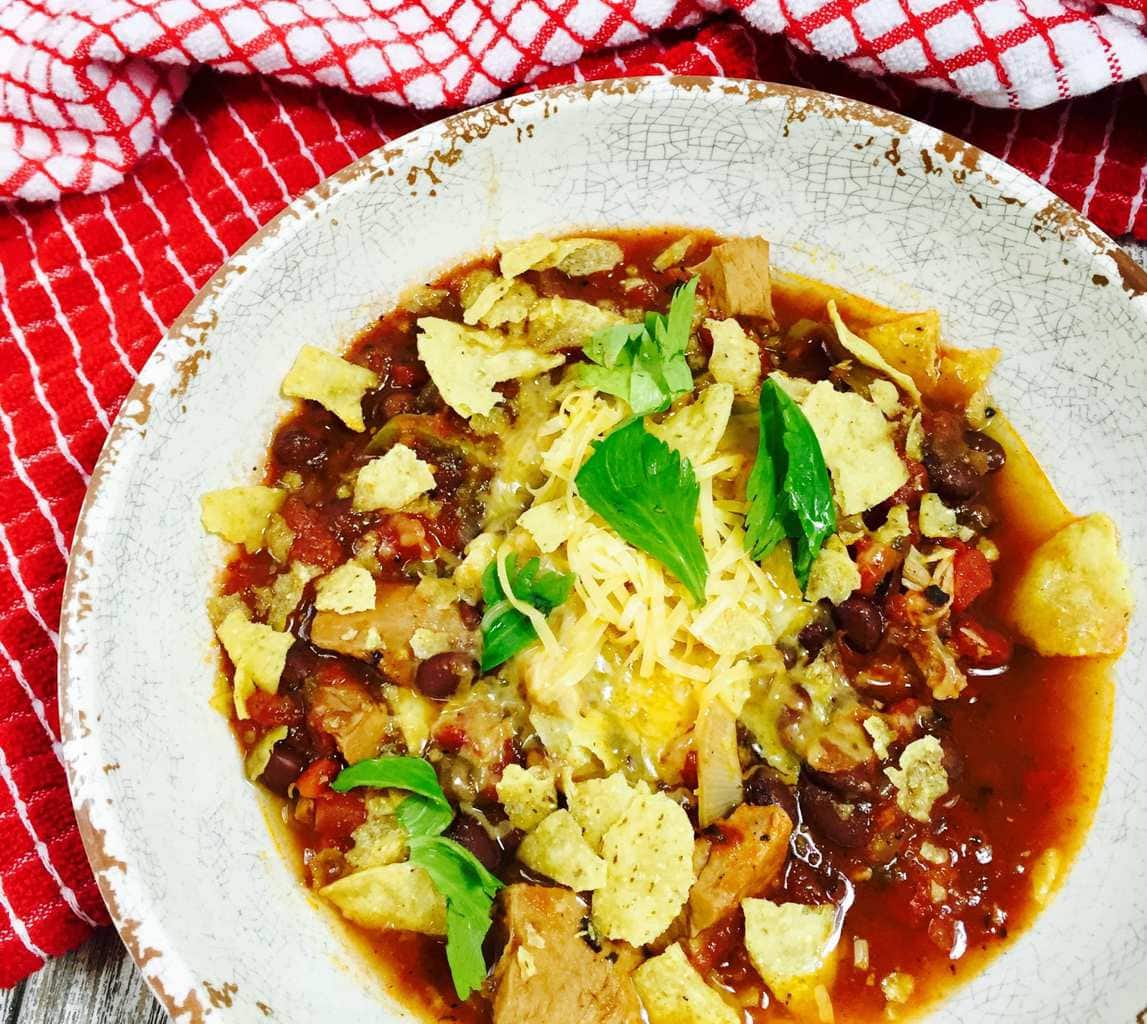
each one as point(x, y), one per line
point(1073, 598)
point(241, 514)
point(334, 383)
point(963, 372)
point(911, 344)
point(557, 849)
point(649, 854)
point(673, 992)
point(398, 896)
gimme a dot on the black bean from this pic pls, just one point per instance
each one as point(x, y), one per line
point(512, 840)
point(877, 516)
point(467, 832)
point(301, 662)
point(936, 595)
point(804, 884)
point(438, 677)
point(815, 635)
point(299, 449)
point(366, 673)
point(975, 515)
point(861, 622)
point(855, 784)
point(428, 399)
point(845, 824)
point(989, 446)
point(283, 767)
point(764, 787)
point(373, 406)
point(348, 526)
point(952, 760)
point(955, 480)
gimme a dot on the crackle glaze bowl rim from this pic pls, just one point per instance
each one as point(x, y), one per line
point(427, 162)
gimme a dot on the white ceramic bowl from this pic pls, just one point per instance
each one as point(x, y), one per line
point(887, 207)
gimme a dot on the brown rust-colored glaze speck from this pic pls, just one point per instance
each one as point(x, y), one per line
point(956, 150)
point(800, 103)
point(1132, 276)
point(189, 1009)
point(221, 995)
point(187, 368)
point(463, 129)
point(1061, 220)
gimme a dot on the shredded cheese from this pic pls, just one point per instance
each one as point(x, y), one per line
point(625, 663)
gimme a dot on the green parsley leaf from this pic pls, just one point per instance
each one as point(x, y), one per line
point(425, 812)
point(456, 873)
point(469, 890)
point(421, 816)
point(644, 363)
point(410, 773)
point(789, 491)
point(505, 630)
point(606, 347)
point(647, 492)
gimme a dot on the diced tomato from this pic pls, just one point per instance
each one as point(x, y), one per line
point(718, 943)
point(316, 780)
point(905, 708)
point(314, 542)
point(874, 561)
point(322, 744)
point(273, 709)
point(689, 770)
point(912, 608)
point(337, 815)
point(410, 536)
point(450, 737)
point(256, 570)
point(980, 645)
point(407, 375)
point(973, 574)
point(914, 486)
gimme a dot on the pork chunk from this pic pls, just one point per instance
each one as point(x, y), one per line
point(736, 274)
point(549, 972)
point(744, 862)
point(385, 631)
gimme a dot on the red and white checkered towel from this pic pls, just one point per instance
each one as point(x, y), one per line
point(89, 95)
point(87, 85)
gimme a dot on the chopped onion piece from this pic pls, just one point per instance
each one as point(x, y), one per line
point(718, 764)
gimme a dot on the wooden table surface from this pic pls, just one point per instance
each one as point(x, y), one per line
point(99, 984)
point(96, 984)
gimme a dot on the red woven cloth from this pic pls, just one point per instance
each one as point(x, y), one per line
point(88, 286)
point(85, 86)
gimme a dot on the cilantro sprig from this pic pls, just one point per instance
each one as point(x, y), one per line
point(648, 493)
point(505, 630)
point(469, 889)
point(644, 363)
point(788, 488)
